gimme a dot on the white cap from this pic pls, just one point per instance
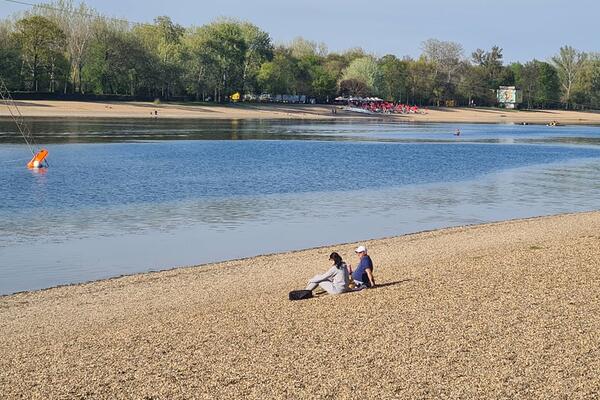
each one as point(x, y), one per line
point(361, 249)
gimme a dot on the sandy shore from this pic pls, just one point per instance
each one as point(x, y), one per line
point(506, 310)
point(78, 109)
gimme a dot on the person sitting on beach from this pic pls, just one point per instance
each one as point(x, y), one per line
point(335, 280)
point(363, 274)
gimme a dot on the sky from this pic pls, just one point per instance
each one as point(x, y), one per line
point(525, 29)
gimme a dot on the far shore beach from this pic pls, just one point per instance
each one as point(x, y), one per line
point(501, 310)
point(80, 109)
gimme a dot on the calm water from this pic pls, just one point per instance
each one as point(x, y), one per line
point(130, 196)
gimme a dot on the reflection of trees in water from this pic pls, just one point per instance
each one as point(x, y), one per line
point(106, 130)
point(522, 191)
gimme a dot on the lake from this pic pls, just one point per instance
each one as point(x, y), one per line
point(129, 196)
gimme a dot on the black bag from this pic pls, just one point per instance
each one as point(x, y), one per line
point(300, 294)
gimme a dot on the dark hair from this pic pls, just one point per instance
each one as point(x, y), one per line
point(336, 258)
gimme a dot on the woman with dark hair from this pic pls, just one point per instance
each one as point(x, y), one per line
point(335, 280)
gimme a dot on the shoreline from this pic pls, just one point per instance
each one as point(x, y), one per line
point(458, 312)
point(282, 253)
point(260, 111)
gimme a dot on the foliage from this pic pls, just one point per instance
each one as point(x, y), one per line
point(366, 70)
point(163, 41)
point(71, 48)
point(539, 82)
point(278, 76)
point(569, 64)
point(10, 57)
point(354, 87)
point(394, 76)
point(41, 42)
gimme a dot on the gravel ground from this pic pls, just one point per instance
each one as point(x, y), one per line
point(506, 310)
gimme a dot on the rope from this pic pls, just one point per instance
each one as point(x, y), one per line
point(16, 116)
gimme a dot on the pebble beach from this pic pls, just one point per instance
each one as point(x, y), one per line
point(503, 310)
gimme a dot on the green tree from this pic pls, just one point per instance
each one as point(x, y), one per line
point(163, 41)
point(526, 78)
point(585, 90)
point(394, 75)
point(77, 24)
point(335, 64)
point(419, 82)
point(41, 42)
point(539, 83)
point(259, 50)
point(491, 63)
point(548, 85)
point(218, 56)
point(569, 63)
point(119, 62)
point(353, 54)
point(302, 48)
point(10, 57)
point(445, 58)
point(474, 86)
point(365, 69)
point(595, 85)
point(324, 84)
point(278, 76)
point(488, 68)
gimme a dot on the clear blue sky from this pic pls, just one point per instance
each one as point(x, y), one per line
point(525, 29)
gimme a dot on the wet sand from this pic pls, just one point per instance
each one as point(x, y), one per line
point(504, 310)
point(79, 109)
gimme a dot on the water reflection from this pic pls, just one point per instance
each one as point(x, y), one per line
point(109, 209)
point(106, 130)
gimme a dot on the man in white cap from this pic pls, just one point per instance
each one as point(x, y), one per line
point(363, 274)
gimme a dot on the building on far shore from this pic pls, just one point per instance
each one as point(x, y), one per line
point(509, 96)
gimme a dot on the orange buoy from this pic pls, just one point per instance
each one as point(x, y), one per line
point(38, 159)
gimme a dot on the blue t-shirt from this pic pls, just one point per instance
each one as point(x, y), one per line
point(360, 273)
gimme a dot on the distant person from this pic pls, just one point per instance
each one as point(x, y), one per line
point(335, 280)
point(457, 132)
point(363, 273)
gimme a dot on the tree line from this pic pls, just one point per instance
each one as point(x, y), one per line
point(68, 48)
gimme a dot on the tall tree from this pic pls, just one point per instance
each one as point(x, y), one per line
point(419, 81)
point(491, 62)
point(41, 41)
point(76, 21)
point(163, 40)
point(10, 57)
point(585, 90)
point(119, 62)
point(394, 73)
point(259, 50)
point(445, 57)
point(278, 76)
point(569, 63)
point(302, 48)
point(539, 83)
point(473, 85)
point(218, 53)
point(324, 84)
point(365, 69)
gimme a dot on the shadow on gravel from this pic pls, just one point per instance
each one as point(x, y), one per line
point(380, 285)
point(320, 292)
